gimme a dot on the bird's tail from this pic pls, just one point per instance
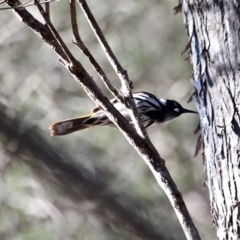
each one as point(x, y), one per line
point(71, 125)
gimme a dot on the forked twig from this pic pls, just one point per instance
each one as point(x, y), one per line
point(79, 43)
point(26, 4)
point(55, 34)
point(122, 74)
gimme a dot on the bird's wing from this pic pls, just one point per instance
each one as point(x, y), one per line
point(96, 109)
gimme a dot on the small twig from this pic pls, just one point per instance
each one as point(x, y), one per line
point(54, 32)
point(122, 74)
point(79, 43)
point(177, 9)
point(74, 22)
point(108, 51)
point(26, 4)
point(47, 10)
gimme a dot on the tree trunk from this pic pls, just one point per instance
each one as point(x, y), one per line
point(213, 31)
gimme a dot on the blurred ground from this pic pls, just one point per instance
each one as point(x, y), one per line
point(37, 91)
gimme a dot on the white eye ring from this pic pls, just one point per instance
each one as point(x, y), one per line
point(176, 109)
point(175, 104)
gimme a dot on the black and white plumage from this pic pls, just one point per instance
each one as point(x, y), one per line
point(152, 110)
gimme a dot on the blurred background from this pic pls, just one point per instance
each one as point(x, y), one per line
point(92, 184)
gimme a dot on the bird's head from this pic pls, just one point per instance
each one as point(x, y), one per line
point(174, 109)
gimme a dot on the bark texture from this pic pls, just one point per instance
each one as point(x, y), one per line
point(213, 30)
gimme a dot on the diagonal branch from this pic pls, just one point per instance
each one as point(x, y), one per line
point(78, 41)
point(122, 74)
point(47, 9)
point(143, 146)
point(70, 57)
point(27, 4)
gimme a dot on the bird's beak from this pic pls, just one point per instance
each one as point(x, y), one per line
point(188, 111)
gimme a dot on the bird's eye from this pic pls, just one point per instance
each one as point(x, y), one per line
point(176, 109)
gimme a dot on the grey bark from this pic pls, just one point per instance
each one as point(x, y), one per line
point(213, 32)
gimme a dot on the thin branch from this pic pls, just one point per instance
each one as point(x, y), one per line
point(144, 147)
point(47, 10)
point(26, 4)
point(56, 35)
point(79, 43)
point(122, 74)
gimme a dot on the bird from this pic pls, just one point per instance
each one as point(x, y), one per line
point(152, 110)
